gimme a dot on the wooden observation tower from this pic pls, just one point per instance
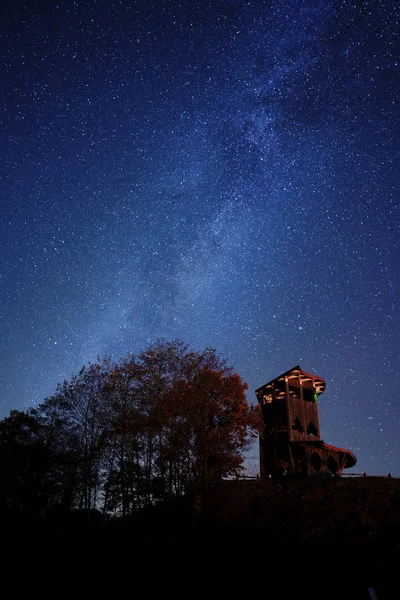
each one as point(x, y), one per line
point(291, 444)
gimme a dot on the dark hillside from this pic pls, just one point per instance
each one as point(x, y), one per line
point(337, 537)
point(341, 534)
point(329, 511)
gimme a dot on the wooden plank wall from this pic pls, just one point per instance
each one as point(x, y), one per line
point(306, 412)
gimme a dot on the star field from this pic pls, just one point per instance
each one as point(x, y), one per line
point(226, 173)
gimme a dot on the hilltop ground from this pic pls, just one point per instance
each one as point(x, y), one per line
point(298, 535)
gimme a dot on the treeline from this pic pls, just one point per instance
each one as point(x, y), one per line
point(120, 436)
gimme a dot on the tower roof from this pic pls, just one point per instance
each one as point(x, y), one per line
point(297, 373)
point(346, 457)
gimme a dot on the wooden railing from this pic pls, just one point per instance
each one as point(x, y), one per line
point(388, 476)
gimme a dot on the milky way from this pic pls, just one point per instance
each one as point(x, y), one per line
point(226, 173)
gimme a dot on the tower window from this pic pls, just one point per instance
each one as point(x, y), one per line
point(311, 429)
point(315, 461)
point(332, 465)
point(297, 426)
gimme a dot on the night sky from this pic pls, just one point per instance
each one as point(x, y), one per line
point(225, 173)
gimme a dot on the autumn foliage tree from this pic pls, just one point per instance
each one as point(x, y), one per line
point(147, 428)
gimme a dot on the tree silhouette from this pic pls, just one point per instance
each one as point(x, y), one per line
point(25, 474)
point(122, 436)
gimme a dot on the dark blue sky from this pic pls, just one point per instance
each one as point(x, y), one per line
point(226, 173)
